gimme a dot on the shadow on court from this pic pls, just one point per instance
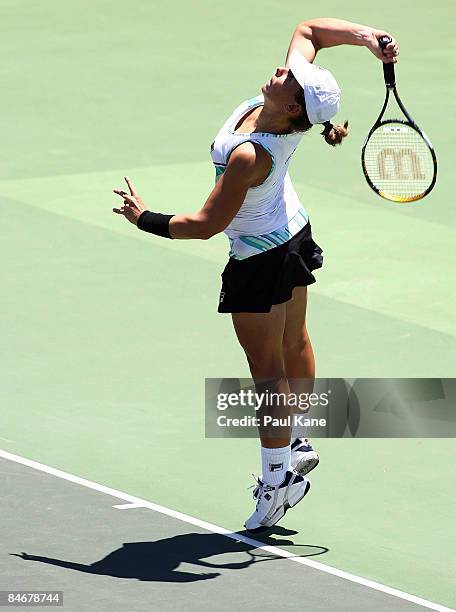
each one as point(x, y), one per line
point(171, 573)
point(158, 561)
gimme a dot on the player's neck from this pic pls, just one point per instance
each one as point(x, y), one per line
point(268, 121)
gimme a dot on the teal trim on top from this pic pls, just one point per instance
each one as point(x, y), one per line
point(259, 244)
point(264, 242)
point(255, 100)
point(219, 170)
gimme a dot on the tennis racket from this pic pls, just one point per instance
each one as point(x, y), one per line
point(398, 159)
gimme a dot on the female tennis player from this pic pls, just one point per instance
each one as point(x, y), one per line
point(272, 253)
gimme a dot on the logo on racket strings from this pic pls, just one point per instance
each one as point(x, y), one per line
point(400, 165)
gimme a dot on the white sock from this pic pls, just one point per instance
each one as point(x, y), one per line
point(297, 431)
point(275, 462)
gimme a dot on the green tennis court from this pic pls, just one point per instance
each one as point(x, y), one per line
point(109, 333)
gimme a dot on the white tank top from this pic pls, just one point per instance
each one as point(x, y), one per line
point(271, 212)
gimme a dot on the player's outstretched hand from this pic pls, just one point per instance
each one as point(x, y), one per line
point(133, 205)
point(387, 55)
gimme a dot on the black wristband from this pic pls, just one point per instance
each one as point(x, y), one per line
point(155, 223)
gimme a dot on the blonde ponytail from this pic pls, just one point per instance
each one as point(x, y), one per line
point(333, 134)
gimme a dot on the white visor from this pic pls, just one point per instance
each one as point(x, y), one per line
point(321, 91)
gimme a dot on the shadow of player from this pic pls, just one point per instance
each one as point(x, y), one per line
point(159, 561)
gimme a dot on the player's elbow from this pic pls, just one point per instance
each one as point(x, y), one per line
point(210, 231)
point(205, 234)
point(210, 225)
point(306, 30)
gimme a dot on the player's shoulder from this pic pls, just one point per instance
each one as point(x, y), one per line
point(248, 153)
point(250, 159)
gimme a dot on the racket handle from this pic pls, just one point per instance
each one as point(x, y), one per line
point(388, 69)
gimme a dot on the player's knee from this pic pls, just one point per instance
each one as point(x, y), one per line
point(265, 365)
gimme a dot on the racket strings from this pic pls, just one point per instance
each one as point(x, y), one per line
point(398, 161)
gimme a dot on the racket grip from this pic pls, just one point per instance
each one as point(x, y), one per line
point(388, 69)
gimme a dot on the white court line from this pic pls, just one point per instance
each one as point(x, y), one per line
point(226, 532)
point(128, 506)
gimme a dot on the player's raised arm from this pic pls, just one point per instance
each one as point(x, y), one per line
point(311, 36)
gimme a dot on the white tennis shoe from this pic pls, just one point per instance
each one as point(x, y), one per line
point(274, 501)
point(303, 457)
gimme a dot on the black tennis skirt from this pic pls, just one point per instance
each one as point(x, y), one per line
point(256, 283)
